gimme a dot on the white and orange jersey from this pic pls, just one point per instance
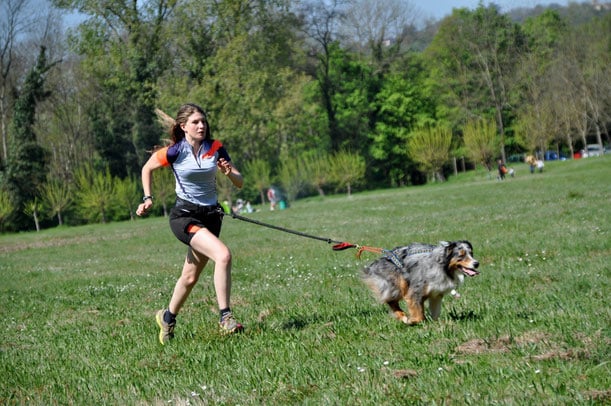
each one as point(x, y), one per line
point(195, 171)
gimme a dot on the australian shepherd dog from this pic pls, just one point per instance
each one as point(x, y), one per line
point(427, 272)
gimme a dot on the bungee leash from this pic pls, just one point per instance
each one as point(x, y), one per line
point(337, 245)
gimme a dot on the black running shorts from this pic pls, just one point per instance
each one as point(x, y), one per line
point(186, 214)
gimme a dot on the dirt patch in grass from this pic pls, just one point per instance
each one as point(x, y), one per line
point(494, 345)
point(502, 344)
point(401, 373)
point(598, 396)
point(553, 349)
point(480, 346)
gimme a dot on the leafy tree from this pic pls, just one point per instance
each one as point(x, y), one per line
point(124, 52)
point(402, 106)
point(318, 171)
point(164, 185)
point(15, 18)
point(58, 197)
point(543, 34)
point(27, 160)
point(251, 91)
point(474, 56)
point(353, 93)
point(321, 20)
point(536, 120)
point(33, 209)
point(348, 170)
point(292, 177)
point(595, 70)
point(298, 119)
point(6, 207)
point(579, 81)
point(535, 125)
point(379, 31)
point(481, 141)
point(96, 193)
point(347, 84)
point(430, 147)
point(258, 172)
point(128, 195)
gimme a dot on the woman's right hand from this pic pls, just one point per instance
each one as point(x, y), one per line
point(143, 208)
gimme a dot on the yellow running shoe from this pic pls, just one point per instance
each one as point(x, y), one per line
point(166, 332)
point(229, 325)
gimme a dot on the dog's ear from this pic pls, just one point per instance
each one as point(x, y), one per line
point(468, 244)
point(449, 249)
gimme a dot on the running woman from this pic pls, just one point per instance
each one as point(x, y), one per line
point(196, 219)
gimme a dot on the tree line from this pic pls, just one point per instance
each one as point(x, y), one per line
point(315, 96)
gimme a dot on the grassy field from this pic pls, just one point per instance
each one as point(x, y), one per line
point(534, 327)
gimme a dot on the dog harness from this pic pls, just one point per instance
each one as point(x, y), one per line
point(389, 254)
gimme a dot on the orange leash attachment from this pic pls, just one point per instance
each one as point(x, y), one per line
point(362, 248)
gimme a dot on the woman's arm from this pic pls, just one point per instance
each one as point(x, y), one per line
point(231, 172)
point(147, 180)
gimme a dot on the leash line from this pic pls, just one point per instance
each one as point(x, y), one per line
point(339, 245)
point(286, 230)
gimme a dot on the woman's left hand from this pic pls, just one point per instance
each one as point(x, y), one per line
point(224, 166)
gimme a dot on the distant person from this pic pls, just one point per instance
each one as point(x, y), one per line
point(248, 207)
point(532, 163)
point(195, 159)
point(540, 165)
point(273, 199)
point(239, 206)
point(502, 169)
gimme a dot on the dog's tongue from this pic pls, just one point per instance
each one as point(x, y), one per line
point(469, 271)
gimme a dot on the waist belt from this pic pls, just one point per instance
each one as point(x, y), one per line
point(196, 208)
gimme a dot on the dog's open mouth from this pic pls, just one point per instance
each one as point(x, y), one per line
point(468, 271)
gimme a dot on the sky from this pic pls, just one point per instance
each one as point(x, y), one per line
point(438, 9)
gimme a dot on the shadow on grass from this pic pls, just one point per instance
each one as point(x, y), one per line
point(466, 315)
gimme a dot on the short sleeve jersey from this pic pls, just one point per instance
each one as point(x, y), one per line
point(195, 171)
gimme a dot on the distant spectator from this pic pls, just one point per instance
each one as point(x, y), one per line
point(502, 169)
point(239, 206)
point(273, 199)
point(532, 163)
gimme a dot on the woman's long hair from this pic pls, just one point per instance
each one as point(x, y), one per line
point(173, 125)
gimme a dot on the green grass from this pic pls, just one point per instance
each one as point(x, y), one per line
point(78, 304)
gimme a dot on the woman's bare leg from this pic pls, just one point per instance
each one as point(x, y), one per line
point(204, 246)
point(192, 268)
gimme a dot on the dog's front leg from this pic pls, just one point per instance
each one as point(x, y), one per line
point(435, 306)
point(415, 304)
point(396, 309)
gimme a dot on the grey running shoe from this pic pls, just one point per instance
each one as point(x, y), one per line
point(166, 332)
point(229, 325)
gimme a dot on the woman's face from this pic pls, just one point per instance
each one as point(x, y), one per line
point(195, 127)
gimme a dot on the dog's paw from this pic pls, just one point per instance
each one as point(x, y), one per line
point(413, 322)
point(405, 319)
